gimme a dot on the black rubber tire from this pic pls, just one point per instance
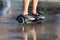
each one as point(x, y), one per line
point(21, 19)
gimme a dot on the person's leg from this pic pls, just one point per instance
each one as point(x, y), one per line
point(39, 15)
point(25, 6)
point(25, 10)
point(34, 6)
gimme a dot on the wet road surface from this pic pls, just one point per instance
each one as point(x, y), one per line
point(48, 29)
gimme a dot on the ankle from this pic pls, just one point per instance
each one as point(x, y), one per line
point(34, 12)
point(25, 13)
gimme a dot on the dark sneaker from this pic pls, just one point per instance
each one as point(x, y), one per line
point(29, 17)
point(38, 15)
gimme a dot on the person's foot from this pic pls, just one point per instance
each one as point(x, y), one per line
point(27, 16)
point(38, 15)
point(30, 17)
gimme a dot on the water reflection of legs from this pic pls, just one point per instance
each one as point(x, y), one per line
point(34, 33)
point(25, 34)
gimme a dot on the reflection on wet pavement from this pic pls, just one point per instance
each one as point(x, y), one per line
point(49, 29)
